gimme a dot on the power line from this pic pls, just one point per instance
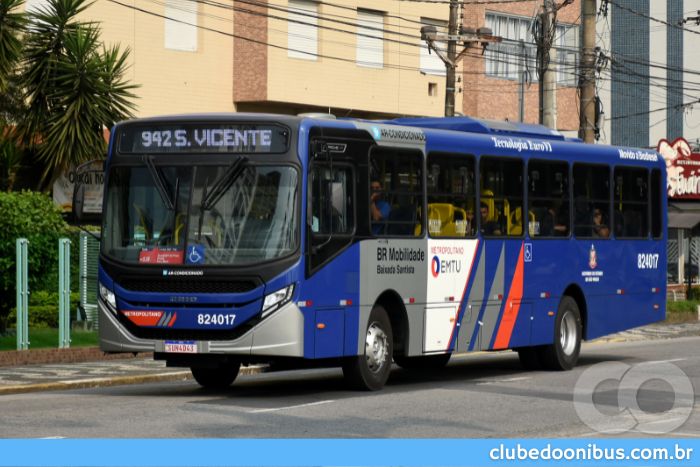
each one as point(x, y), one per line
point(644, 15)
point(467, 3)
point(347, 60)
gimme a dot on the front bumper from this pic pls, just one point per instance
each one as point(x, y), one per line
point(280, 335)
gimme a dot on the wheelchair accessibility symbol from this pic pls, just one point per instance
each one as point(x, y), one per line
point(195, 254)
point(527, 255)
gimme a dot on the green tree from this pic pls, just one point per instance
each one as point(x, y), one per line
point(35, 217)
point(73, 85)
point(12, 24)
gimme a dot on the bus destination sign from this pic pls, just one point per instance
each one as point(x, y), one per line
point(200, 138)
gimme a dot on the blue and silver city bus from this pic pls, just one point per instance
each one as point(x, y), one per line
point(237, 239)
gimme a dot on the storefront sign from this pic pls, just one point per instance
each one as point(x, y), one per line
point(682, 167)
point(91, 176)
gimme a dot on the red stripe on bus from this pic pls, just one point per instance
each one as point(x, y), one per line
point(512, 306)
point(172, 321)
point(143, 317)
point(466, 283)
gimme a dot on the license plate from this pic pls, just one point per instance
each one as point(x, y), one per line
point(181, 346)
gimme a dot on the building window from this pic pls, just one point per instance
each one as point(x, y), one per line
point(370, 38)
point(302, 30)
point(503, 60)
point(430, 63)
point(181, 25)
point(566, 44)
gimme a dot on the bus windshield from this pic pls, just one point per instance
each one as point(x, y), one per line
point(207, 214)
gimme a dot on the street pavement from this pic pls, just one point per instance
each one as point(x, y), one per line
point(44, 377)
point(484, 394)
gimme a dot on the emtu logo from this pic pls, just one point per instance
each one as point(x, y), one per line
point(435, 266)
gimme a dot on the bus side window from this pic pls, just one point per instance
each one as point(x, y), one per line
point(591, 201)
point(331, 201)
point(656, 203)
point(631, 202)
point(501, 200)
point(330, 216)
point(396, 192)
point(451, 195)
point(548, 199)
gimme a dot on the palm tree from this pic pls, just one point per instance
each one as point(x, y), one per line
point(74, 88)
point(11, 26)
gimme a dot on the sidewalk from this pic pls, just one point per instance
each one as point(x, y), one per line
point(61, 376)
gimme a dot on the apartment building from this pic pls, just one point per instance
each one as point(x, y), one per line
point(361, 58)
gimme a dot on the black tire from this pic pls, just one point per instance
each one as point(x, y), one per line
point(369, 372)
point(216, 378)
point(529, 358)
point(563, 353)
point(424, 362)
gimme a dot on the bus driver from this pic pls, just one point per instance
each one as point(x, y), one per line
point(379, 208)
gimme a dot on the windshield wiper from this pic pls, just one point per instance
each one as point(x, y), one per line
point(159, 182)
point(224, 182)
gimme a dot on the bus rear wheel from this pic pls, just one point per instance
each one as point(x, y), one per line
point(563, 353)
point(370, 370)
point(216, 378)
point(424, 362)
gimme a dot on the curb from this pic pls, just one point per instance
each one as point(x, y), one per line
point(112, 381)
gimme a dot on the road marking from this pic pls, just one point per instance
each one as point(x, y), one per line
point(505, 380)
point(52, 437)
point(291, 407)
point(672, 360)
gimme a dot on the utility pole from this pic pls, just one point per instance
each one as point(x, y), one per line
point(451, 63)
point(548, 82)
point(587, 121)
point(521, 79)
point(455, 33)
point(545, 55)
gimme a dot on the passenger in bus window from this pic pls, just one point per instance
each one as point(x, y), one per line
point(600, 230)
point(470, 224)
point(379, 208)
point(488, 227)
point(554, 224)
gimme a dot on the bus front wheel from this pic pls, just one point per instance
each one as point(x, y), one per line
point(370, 370)
point(563, 353)
point(216, 378)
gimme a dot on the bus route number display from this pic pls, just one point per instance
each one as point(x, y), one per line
point(204, 138)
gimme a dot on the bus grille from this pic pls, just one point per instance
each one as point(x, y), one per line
point(174, 286)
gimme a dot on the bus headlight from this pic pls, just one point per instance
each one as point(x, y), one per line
point(108, 297)
point(276, 299)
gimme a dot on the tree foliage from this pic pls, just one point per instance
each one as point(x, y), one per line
point(74, 87)
point(35, 217)
point(11, 26)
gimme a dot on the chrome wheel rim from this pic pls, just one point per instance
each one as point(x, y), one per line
point(568, 333)
point(376, 348)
